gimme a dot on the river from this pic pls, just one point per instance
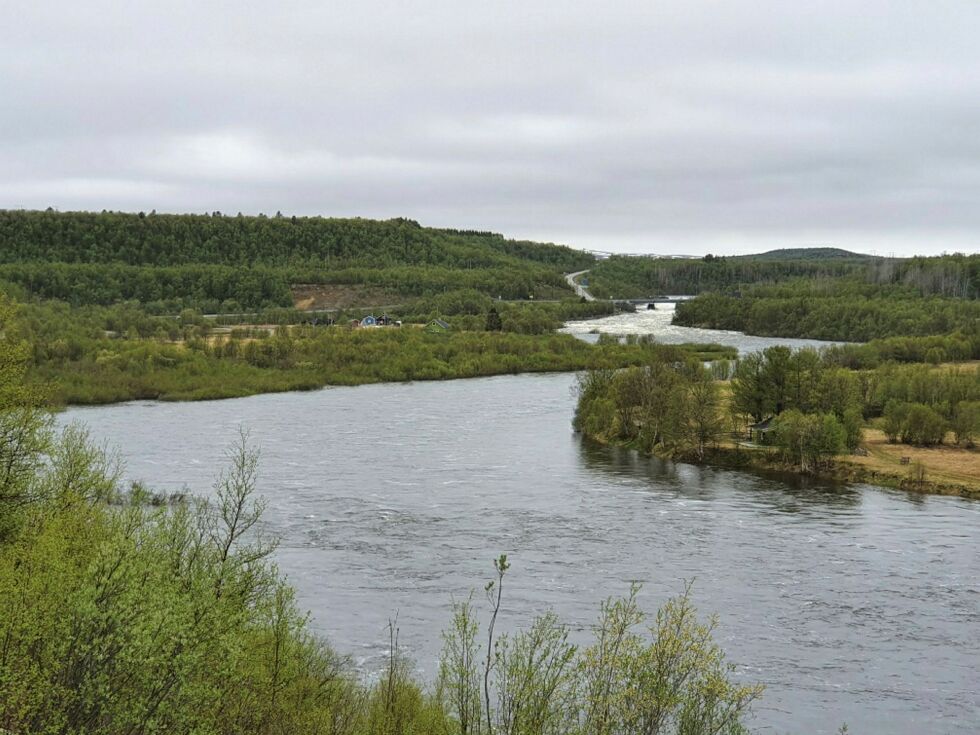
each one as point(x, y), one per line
point(657, 322)
point(853, 604)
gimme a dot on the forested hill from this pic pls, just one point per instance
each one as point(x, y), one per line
point(218, 262)
point(169, 240)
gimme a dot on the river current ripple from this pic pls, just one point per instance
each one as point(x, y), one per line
point(853, 604)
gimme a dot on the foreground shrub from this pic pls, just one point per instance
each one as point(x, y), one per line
point(916, 423)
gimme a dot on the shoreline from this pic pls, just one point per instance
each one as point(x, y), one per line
point(840, 470)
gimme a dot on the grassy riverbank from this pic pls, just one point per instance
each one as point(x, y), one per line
point(98, 355)
point(873, 470)
point(305, 358)
point(879, 467)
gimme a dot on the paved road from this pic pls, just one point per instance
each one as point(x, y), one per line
point(579, 289)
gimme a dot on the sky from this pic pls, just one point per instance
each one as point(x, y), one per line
point(662, 126)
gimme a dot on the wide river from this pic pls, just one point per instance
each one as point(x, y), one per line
point(853, 604)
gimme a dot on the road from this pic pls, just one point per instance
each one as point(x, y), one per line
point(579, 289)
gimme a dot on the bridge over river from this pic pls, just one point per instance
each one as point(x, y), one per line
point(653, 300)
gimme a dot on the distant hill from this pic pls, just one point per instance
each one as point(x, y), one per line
point(817, 253)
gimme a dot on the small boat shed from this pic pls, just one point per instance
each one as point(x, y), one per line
point(759, 433)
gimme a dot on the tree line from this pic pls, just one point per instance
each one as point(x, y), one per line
point(229, 289)
point(675, 405)
point(950, 276)
point(622, 276)
point(802, 309)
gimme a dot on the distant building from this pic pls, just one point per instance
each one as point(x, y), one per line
point(369, 321)
point(760, 432)
point(437, 326)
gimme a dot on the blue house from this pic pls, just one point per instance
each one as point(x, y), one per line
point(369, 321)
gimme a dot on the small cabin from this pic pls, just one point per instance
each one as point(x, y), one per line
point(369, 321)
point(437, 326)
point(761, 433)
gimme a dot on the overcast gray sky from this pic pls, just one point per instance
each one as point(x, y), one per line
point(658, 126)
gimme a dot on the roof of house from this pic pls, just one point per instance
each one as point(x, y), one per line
point(764, 425)
point(440, 322)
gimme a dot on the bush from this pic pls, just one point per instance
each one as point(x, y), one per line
point(895, 415)
point(809, 439)
point(852, 421)
point(966, 422)
point(923, 426)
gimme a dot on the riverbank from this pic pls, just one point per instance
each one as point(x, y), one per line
point(871, 469)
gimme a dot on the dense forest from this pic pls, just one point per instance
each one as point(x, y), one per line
point(216, 262)
point(216, 239)
point(622, 276)
point(952, 276)
point(844, 310)
point(126, 611)
point(229, 289)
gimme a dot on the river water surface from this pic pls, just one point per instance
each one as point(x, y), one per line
point(657, 322)
point(853, 604)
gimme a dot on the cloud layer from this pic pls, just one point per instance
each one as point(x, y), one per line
point(625, 126)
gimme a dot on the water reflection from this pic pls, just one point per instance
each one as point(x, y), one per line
point(783, 491)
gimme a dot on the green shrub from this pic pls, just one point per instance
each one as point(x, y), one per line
point(923, 426)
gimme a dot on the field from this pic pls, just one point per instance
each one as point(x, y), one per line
point(943, 464)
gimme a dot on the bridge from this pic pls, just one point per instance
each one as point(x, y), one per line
point(653, 300)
